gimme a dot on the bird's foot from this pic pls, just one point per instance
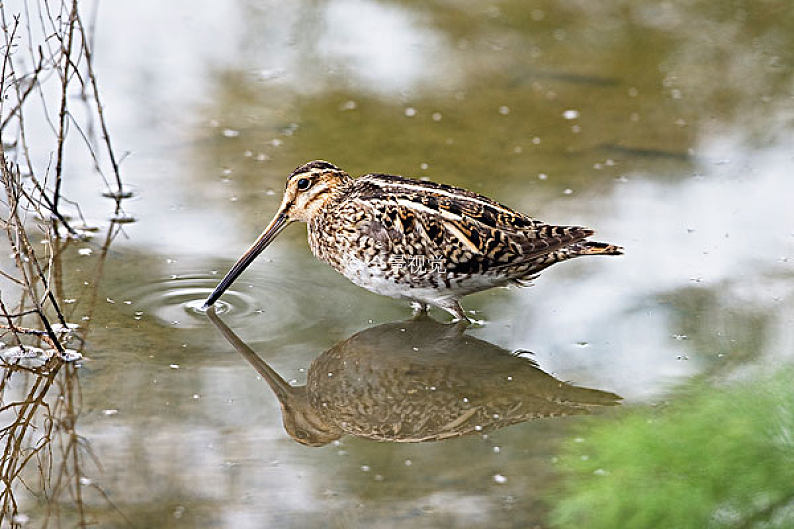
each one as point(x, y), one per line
point(453, 307)
point(419, 309)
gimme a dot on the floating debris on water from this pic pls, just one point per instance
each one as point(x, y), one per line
point(68, 355)
point(500, 479)
point(410, 112)
point(85, 251)
point(120, 194)
point(20, 351)
point(69, 327)
point(570, 114)
point(230, 133)
point(122, 219)
point(348, 105)
point(20, 519)
point(110, 412)
point(504, 110)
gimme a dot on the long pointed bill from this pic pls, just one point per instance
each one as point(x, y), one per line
point(278, 223)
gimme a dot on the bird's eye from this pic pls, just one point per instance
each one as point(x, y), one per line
point(303, 184)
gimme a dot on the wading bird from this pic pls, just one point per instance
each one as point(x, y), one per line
point(426, 242)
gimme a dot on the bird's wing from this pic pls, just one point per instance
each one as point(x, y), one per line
point(470, 231)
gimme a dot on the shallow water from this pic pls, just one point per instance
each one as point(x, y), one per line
point(666, 127)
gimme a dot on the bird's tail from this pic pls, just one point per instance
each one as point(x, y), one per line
point(598, 248)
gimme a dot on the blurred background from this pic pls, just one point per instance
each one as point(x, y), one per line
point(665, 126)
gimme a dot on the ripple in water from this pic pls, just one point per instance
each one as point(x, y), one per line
point(178, 301)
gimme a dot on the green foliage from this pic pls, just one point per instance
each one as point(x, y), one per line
point(716, 457)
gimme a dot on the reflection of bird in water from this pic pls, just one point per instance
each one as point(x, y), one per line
point(430, 243)
point(416, 380)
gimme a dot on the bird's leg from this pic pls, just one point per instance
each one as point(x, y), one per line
point(419, 309)
point(452, 306)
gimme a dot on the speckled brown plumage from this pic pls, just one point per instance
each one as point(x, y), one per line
point(426, 242)
point(415, 381)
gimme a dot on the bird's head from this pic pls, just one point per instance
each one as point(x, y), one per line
point(309, 188)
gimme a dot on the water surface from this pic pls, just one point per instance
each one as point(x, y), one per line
point(666, 127)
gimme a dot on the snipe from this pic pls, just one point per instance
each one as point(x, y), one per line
point(425, 242)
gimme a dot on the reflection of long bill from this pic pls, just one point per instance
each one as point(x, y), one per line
point(272, 230)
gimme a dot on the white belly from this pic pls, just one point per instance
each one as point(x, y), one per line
point(375, 280)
